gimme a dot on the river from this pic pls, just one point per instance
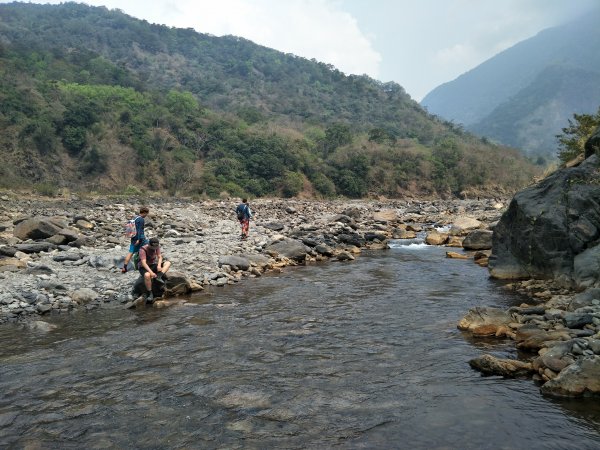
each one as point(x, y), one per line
point(353, 355)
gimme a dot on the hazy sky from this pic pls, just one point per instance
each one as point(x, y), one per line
point(420, 44)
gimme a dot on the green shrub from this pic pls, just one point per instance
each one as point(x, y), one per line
point(292, 184)
point(46, 189)
point(131, 190)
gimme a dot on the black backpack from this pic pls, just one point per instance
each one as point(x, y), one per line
point(240, 211)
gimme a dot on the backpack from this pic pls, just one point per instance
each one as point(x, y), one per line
point(129, 228)
point(240, 211)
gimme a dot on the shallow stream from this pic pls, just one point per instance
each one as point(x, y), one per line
point(341, 355)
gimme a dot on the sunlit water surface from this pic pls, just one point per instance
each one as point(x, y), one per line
point(345, 355)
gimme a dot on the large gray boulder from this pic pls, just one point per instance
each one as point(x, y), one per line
point(548, 225)
point(290, 248)
point(36, 228)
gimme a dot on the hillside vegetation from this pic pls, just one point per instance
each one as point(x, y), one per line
point(94, 100)
point(525, 95)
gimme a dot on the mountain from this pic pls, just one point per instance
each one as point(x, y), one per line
point(525, 95)
point(93, 99)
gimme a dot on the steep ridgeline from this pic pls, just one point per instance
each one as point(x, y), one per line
point(525, 95)
point(93, 99)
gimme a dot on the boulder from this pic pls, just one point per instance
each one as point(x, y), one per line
point(290, 248)
point(35, 247)
point(13, 262)
point(275, 226)
point(344, 256)
point(547, 225)
point(482, 315)
point(531, 337)
point(235, 262)
point(324, 250)
point(354, 239)
point(490, 365)
point(36, 228)
point(582, 378)
point(464, 224)
point(434, 237)
point(583, 299)
point(178, 283)
point(385, 216)
point(556, 358)
point(478, 240)
point(57, 239)
point(375, 235)
point(83, 296)
point(586, 267)
point(455, 255)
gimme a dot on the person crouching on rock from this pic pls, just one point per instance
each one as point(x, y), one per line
point(152, 266)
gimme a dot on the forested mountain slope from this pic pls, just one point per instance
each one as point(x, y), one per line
point(523, 96)
point(93, 99)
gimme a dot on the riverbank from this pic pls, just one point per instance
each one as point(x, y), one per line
point(75, 248)
point(72, 260)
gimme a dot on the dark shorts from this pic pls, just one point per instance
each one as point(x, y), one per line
point(152, 266)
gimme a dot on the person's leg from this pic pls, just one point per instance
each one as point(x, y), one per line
point(132, 249)
point(126, 262)
point(148, 285)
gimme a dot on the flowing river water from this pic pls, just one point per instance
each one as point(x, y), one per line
point(339, 355)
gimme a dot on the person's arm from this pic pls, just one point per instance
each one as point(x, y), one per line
point(144, 263)
point(159, 266)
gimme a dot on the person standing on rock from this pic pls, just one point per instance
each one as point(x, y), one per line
point(137, 240)
point(152, 266)
point(244, 214)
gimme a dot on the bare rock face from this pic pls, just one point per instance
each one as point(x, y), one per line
point(547, 227)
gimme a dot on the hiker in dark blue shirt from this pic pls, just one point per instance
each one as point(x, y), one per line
point(243, 215)
point(137, 240)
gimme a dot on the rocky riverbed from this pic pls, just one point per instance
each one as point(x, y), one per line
point(59, 255)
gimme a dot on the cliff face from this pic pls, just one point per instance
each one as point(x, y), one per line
point(552, 229)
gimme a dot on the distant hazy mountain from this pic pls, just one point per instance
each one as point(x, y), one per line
point(525, 95)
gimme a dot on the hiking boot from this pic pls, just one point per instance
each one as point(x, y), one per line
point(150, 298)
point(159, 278)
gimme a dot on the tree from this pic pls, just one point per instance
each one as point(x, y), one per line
point(572, 140)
